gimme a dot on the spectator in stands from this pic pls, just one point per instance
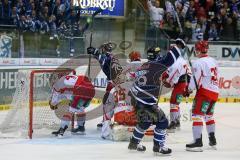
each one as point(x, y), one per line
point(212, 33)
point(197, 33)
point(170, 14)
point(156, 22)
point(156, 13)
point(6, 11)
point(53, 33)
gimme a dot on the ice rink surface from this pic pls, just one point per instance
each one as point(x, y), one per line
point(91, 146)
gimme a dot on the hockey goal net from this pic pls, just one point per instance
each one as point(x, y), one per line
point(29, 111)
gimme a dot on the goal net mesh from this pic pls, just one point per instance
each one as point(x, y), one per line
point(29, 111)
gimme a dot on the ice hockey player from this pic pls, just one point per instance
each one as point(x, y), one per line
point(205, 70)
point(104, 56)
point(145, 93)
point(173, 77)
point(79, 91)
point(124, 113)
point(153, 53)
point(118, 101)
point(177, 77)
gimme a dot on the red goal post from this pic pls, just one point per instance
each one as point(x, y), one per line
point(58, 71)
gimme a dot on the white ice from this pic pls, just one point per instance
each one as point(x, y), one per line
point(91, 146)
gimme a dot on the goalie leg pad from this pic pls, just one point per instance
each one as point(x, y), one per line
point(106, 130)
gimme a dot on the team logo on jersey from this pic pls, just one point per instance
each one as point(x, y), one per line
point(141, 73)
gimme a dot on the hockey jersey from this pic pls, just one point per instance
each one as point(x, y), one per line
point(73, 88)
point(147, 85)
point(171, 57)
point(105, 63)
point(124, 112)
point(177, 70)
point(205, 70)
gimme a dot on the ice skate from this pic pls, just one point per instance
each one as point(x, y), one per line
point(195, 146)
point(134, 145)
point(99, 126)
point(157, 150)
point(60, 132)
point(212, 141)
point(80, 130)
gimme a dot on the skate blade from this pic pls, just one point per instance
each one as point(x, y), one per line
point(135, 151)
point(110, 138)
point(161, 155)
point(196, 149)
point(60, 136)
point(212, 147)
point(55, 135)
point(78, 133)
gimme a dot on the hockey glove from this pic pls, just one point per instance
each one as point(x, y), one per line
point(187, 92)
point(52, 106)
point(92, 50)
point(164, 78)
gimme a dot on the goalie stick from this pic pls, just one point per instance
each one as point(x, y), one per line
point(91, 37)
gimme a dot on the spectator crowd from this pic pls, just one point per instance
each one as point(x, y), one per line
point(53, 17)
point(211, 20)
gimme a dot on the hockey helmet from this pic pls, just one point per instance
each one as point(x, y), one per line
point(201, 46)
point(181, 42)
point(152, 53)
point(107, 47)
point(134, 56)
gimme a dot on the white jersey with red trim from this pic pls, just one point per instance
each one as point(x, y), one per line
point(179, 68)
point(123, 107)
point(65, 83)
point(206, 72)
point(120, 92)
point(63, 89)
point(73, 88)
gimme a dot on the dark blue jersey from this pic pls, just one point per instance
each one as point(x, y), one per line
point(147, 86)
point(170, 57)
point(105, 63)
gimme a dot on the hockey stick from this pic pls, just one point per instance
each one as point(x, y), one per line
point(91, 37)
point(189, 53)
point(178, 21)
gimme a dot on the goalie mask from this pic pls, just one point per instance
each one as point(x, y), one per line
point(201, 47)
point(152, 53)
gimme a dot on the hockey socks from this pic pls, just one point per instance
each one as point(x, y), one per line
point(197, 144)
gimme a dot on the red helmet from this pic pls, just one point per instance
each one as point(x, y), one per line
point(201, 46)
point(135, 56)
